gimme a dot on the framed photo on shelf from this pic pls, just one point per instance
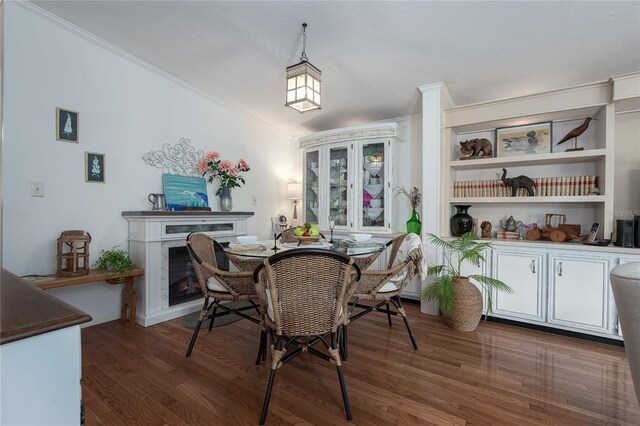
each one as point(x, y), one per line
point(523, 140)
point(93, 167)
point(67, 125)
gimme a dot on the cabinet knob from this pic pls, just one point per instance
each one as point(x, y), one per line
point(560, 269)
point(533, 266)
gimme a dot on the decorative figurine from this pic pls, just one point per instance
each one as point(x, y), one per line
point(574, 135)
point(486, 229)
point(471, 148)
point(518, 182)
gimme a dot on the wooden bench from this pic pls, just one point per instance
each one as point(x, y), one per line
point(129, 296)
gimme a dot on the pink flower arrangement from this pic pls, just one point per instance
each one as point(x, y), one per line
point(223, 170)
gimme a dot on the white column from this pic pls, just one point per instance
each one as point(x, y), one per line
point(435, 99)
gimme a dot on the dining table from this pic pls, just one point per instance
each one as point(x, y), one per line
point(263, 249)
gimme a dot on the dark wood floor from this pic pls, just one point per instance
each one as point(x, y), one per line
point(498, 374)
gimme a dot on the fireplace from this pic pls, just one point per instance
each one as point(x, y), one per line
point(169, 288)
point(183, 281)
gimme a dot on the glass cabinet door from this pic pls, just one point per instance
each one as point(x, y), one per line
point(339, 186)
point(373, 185)
point(312, 186)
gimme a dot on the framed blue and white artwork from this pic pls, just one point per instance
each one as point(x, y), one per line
point(184, 192)
point(93, 167)
point(67, 122)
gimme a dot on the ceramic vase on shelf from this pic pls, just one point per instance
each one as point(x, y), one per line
point(226, 203)
point(413, 224)
point(461, 222)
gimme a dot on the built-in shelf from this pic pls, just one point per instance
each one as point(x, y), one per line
point(574, 157)
point(528, 200)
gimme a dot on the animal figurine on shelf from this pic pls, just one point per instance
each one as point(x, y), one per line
point(574, 135)
point(486, 229)
point(518, 182)
point(473, 147)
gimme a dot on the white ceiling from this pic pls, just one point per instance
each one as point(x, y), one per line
point(372, 55)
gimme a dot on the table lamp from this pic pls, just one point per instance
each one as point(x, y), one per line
point(294, 192)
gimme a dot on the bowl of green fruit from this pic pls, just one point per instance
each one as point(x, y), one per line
point(307, 233)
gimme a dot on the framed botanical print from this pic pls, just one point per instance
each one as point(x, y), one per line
point(93, 167)
point(523, 140)
point(67, 122)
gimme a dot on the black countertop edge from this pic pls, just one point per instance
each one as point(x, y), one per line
point(141, 213)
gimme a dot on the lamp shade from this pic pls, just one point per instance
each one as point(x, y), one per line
point(294, 191)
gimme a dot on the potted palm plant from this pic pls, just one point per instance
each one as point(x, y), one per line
point(460, 300)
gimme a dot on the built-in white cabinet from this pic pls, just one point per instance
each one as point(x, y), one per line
point(554, 286)
point(348, 177)
point(579, 292)
point(524, 273)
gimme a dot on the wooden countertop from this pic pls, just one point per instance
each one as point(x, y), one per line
point(27, 311)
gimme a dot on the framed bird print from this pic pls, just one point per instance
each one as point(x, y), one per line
point(523, 140)
point(67, 125)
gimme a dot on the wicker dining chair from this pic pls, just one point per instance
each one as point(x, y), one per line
point(384, 287)
point(218, 285)
point(306, 293)
point(364, 262)
point(288, 236)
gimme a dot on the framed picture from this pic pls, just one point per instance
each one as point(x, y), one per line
point(523, 140)
point(183, 192)
point(67, 125)
point(93, 167)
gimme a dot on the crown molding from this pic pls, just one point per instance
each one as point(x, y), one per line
point(442, 87)
point(100, 42)
point(368, 131)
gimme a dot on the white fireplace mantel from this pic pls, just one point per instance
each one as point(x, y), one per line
point(151, 234)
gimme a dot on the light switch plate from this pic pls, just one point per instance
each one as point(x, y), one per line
point(37, 189)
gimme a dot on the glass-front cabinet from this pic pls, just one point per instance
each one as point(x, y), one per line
point(339, 196)
point(312, 186)
point(349, 181)
point(374, 199)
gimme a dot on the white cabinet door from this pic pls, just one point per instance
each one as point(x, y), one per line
point(523, 272)
point(579, 292)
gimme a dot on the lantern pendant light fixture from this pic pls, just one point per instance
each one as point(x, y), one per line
point(303, 82)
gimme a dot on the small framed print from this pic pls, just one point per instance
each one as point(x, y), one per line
point(67, 125)
point(93, 167)
point(524, 140)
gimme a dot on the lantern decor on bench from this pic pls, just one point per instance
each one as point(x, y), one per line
point(73, 253)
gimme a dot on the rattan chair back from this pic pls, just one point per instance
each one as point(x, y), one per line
point(308, 290)
point(202, 251)
point(288, 236)
point(244, 263)
point(395, 245)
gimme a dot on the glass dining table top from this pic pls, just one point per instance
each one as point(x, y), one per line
point(265, 248)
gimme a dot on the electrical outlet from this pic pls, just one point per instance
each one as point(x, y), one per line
point(37, 189)
point(254, 200)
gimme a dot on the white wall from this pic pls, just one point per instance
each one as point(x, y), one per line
point(126, 109)
point(626, 199)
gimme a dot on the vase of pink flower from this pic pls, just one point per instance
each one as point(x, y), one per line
point(228, 174)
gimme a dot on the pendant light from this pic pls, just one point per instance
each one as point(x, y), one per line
point(303, 82)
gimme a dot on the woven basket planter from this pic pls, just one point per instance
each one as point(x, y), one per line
point(467, 309)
